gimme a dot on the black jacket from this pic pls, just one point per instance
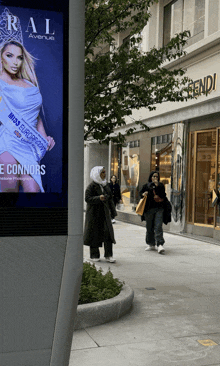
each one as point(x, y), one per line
point(116, 192)
point(150, 188)
point(150, 203)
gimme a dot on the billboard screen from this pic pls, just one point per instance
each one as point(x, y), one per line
point(32, 161)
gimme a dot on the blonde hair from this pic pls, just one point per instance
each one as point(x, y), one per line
point(26, 70)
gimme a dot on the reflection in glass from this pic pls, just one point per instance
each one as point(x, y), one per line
point(128, 165)
point(164, 161)
point(177, 170)
point(191, 178)
point(173, 20)
point(194, 19)
point(114, 160)
point(218, 182)
point(205, 177)
point(189, 15)
point(161, 160)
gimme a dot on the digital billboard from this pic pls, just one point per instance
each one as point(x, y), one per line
point(32, 161)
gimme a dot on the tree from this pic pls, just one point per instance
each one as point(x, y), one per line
point(121, 78)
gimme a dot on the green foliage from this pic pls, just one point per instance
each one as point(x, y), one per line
point(96, 286)
point(121, 78)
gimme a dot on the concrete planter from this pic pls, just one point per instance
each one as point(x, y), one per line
point(96, 313)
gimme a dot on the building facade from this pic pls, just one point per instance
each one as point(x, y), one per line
point(184, 138)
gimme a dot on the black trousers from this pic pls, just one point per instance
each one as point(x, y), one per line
point(116, 201)
point(108, 251)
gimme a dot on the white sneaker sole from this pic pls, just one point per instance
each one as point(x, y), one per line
point(95, 260)
point(161, 251)
point(110, 261)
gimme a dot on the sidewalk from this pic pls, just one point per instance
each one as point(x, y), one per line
point(176, 306)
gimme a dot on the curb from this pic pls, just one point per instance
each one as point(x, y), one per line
point(101, 312)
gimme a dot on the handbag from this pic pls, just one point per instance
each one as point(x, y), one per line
point(157, 198)
point(141, 205)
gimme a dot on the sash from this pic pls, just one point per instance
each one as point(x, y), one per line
point(21, 130)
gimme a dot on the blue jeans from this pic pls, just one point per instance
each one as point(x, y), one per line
point(154, 226)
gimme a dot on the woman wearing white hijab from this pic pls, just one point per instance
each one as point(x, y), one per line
point(100, 209)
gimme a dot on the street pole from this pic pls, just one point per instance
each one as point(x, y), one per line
point(73, 264)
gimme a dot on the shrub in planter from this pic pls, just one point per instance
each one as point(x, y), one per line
point(96, 286)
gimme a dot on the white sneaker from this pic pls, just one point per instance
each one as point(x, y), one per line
point(110, 259)
point(95, 259)
point(160, 249)
point(150, 247)
point(113, 221)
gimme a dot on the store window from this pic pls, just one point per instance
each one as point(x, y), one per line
point(204, 177)
point(190, 180)
point(180, 15)
point(115, 162)
point(218, 179)
point(125, 164)
point(161, 152)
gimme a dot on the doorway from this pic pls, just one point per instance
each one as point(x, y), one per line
point(203, 177)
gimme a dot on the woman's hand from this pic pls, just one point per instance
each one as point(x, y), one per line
point(145, 194)
point(51, 143)
point(41, 130)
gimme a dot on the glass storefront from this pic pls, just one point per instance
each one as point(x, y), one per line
point(115, 162)
point(161, 155)
point(204, 177)
point(125, 164)
point(166, 153)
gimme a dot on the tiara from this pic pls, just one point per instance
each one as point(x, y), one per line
point(10, 28)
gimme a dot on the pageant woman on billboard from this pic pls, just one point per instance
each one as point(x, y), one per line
point(23, 139)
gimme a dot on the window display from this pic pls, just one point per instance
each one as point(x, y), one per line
point(125, 164)
point(161, 151)
point(203, 172)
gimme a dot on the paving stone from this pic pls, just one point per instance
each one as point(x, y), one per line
point(164, 325)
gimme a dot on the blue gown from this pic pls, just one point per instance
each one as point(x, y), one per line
point(27, 103)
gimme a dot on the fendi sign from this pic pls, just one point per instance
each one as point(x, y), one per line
point(203, 86)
